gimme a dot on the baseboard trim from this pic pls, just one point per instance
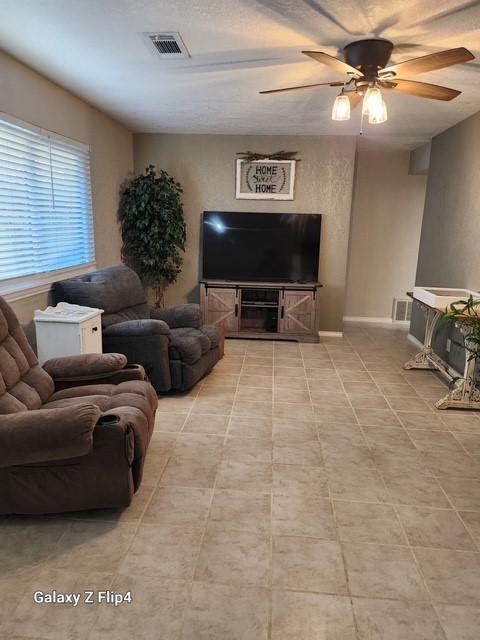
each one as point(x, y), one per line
point(411, 338)
point(331, 334)
point(366, 319)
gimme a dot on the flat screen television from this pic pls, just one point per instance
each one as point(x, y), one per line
point(267, 247)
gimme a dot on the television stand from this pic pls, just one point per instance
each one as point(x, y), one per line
point(265, 310)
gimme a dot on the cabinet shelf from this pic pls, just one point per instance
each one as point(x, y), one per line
point(261, 305)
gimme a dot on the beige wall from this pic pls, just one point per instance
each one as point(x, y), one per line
point(31, 97)
point(385, 234)
point(205, 166)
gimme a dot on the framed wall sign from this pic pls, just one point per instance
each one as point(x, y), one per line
point(265, 179)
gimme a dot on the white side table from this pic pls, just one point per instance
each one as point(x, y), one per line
point(67, 330)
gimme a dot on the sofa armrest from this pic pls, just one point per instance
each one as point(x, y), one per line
point(145, 327)
point(41, 435)
point(128, 373)
point(89, 365)
point(183, 315)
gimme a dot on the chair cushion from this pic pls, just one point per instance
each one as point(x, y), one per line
point(188, 345)
point(134, 393)
point(212, 333)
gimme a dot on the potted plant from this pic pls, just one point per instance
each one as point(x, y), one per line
point(153, 229)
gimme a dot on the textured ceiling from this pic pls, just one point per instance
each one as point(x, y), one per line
point(238, 47)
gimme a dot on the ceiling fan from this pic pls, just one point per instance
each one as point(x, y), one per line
point(365, 64)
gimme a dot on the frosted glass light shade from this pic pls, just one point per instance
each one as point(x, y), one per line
point(378, 115)
point(372, 100)
point(341, 108)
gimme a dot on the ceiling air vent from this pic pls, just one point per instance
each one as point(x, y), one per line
point(168, 45)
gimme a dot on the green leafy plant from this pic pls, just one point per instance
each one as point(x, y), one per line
point(153, 229)
point(466, 313)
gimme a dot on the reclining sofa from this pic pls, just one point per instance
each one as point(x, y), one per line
point(73, 433)
point(172, 346)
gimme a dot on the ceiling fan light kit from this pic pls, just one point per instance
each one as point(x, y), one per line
point(341, 108)
point(365, 64)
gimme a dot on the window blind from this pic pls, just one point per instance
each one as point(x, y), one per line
point(45, 203)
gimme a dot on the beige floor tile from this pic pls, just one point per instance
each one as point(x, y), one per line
point(193, 445)
point(300, 515)
point(190, 472)
point(248, 450)
point(416, 420)
point(55, 622)
point(409, 404)
point(377, 418)
point(362, 522)
point(329, 382)
point(368, 402)
point(210, 424)
point(380, 571)
point(256, 395)
point(238, 511)
point(305, 453)
point(28, 542)
point(463, 492)
point(394, 619)
point(427, 440)
point(415, 490)
point(460, 421)
point(220, 612)
point(426, 527)
point(364, 486)
point(396, 389)
point(453, 577)
point(211, 404)
point(290, 372)
point(309, 616)
point(357, 387)
point(178, 506)
point(294, 411)
point(288, 430)
point(157, 604)
point(470, 442)
point(256, 381)
point(451, 463)
point(340, 459)
point(355, 377)
point(257, 370)
point(259, 360)
point(290, 395)
point(338, 433)
point(89, 547)
point(175, 404)
point(283, 361)
point(398, 461)
point(293, 479)
point(234, 557)
point(207, 393)
point(222, 380)
point(389, 437)
point(14, 584)
point(252, 409)
point(334, 414)
point(330, 399)
point(238, 476)
point(287, 382)
point(163, 552)
point(169, 421)
point(472, 522)
point(458, 622)
point(307, 564)
point(250, 427)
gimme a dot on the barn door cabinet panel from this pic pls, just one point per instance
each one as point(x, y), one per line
point(297, 312)
point(220, 307)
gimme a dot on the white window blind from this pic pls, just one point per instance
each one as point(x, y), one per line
point(45, 202)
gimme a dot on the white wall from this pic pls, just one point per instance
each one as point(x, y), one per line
point(385, 233)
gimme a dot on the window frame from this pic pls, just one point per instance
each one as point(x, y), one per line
point(13, 289)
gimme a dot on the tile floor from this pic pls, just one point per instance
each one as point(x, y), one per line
point(306, 492)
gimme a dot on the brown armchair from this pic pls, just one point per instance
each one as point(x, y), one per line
point(73, 433)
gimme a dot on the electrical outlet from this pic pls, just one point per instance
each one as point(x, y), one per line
point(449, 345)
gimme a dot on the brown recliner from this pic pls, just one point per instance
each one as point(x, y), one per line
point(73, 433)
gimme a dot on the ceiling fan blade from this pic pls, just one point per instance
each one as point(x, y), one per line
point(333, 63)
point(355, 99)
point(421, 89)
point(306, 86)
point(432, 61)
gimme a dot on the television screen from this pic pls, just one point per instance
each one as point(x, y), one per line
point(269, 247)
